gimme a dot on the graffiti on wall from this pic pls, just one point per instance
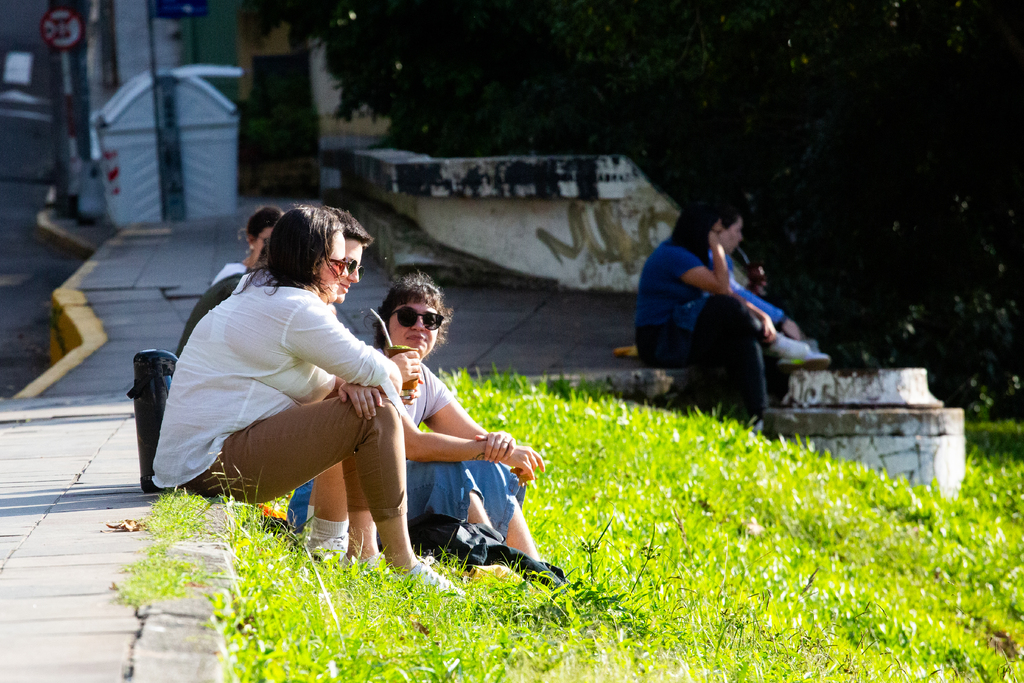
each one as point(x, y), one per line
point(603, 237)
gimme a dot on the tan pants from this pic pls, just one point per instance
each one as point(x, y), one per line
point(274, 456)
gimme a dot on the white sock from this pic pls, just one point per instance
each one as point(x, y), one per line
point(322, 530)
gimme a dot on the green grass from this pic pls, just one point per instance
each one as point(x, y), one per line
point(855, 576)
point(174, 517)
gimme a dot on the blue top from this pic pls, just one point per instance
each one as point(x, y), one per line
point(774, 312)
point(662, 295)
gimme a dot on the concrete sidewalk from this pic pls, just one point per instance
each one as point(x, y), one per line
point(67, 468)
point(68, 459)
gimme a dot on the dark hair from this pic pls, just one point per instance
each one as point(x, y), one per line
point(729, 215)
point(415, 288)
point(264, 217)
point(301, 245)
point(692, 230)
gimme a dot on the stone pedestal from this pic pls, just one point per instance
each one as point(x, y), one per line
point(885, 419)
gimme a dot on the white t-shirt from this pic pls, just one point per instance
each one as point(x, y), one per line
point(228, 270)
point(434, 395)
point(256, 354)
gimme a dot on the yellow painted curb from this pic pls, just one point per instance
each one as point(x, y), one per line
point(75, 332)
point(50, 232)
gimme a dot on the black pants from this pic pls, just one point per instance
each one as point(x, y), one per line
point(725, 335)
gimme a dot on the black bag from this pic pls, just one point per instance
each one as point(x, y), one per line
point(476, 545)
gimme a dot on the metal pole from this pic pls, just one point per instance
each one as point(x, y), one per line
point(62, 145)
point(91, 203)
point(168, 144)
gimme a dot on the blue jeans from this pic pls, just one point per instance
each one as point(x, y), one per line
point(444, 488)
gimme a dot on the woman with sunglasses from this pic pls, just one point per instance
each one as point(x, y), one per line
point(271, 390)
point(459, 468)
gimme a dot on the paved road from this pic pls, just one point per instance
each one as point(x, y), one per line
point(29, 272)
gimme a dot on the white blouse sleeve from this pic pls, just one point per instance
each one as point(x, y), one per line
point(316, 336)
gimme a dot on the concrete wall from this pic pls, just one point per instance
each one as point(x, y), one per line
point(587, 222)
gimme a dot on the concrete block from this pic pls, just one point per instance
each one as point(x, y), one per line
point(919, 459)
point(830, 422)
point(886, 419)
point(887, 387)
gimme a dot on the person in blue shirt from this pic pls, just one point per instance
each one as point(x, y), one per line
point(686, 313)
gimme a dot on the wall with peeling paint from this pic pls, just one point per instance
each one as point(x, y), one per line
point(588, 222)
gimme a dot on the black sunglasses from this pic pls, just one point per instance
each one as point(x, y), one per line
point(346, 267)
point(407, 318)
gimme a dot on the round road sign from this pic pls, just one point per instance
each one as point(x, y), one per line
point(62, 28)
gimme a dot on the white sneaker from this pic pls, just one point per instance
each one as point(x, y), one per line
point(784, 347)
point(322, 548)
point(424, 574)
point(813, 361)
point(797, 355)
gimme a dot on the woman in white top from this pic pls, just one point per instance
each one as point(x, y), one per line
point(272, 390)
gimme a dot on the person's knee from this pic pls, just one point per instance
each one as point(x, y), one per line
point(387, 423)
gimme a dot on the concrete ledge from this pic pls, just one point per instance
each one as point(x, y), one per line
point(824, 422)
point(883, 387)
point(587, 177)
point(176, 640)
point(401, 248)
point(50, 232)
point(586, 221)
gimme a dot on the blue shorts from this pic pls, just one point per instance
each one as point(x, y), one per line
point(444, 488)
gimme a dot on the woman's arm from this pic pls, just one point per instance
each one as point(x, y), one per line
point(715, 280)
point(768, 334)
point(437, 447)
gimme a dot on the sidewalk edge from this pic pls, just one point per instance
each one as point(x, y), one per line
point(73, 314)
point(48, 231)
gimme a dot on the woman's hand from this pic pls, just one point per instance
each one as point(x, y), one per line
point(408, 363)
point(715, 241)
point(498, 446)
point(768, 333)
point(523, 460)
point(525, 463)
point(364, 399)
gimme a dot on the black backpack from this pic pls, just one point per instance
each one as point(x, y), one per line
point(476, 545)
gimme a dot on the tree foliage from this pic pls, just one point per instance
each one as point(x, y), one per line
point(875, 146)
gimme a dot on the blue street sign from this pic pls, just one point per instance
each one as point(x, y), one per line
point(180, 9)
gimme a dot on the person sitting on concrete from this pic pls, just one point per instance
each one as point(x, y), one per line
point(273, 390)
point(258, 229)
point(790, 347)
point(459, 468)
point(686, 313)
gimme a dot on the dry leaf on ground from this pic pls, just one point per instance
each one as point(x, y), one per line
point(124, 525)
point(1001, 642)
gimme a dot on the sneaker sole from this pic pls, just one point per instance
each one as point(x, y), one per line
point(791, 365)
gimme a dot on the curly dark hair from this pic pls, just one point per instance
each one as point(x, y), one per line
point(415, 288)
point(301, 244)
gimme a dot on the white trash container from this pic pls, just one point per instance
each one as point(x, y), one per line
point(208, 130)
